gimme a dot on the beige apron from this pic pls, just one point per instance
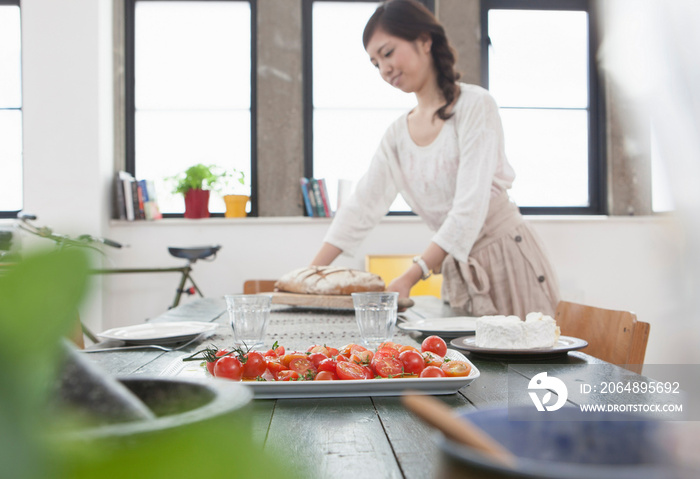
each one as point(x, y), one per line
point(507, 271)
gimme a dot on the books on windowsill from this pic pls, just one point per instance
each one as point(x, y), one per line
point(134, 199)
point(315, 194)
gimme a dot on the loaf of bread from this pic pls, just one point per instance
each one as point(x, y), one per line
point(329, 280)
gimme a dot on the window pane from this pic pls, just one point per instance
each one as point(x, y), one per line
point(192, 55)
point(10, 65)
point(538, 58)
point(354, 136)
point(10, 160)
point(169, 142)
point(353, 106)
point(549, 152)
point(193, 92)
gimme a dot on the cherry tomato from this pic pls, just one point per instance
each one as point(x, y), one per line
point(229, 367)
point(351, 348)
point(287, 375)
point(276, 352)
point(413, 362)
point(348, 370)
point(387, 366)
point(328, 365)
point(303, 366)
point(275, 367)
point(255, 365)
point(362, 357)
point(456, 368)
point(211, 364)
point(341, 358)
point(408, 348)
point(317, 358)
point(432, 359)
point(390, 345)
point(332, 351)
point(387, 353)
point(325, 376)
point(433, 372)
point(317, 348)
point(434, 344)
point(287, 358)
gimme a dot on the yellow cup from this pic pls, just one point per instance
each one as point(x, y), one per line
point(235, 206)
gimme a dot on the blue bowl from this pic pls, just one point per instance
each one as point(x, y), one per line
point(565, 444)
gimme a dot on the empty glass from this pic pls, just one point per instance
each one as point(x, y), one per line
point(376, 316)
point(249, 315)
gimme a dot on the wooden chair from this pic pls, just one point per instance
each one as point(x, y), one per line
point(613, 336)
point(254, 286)
point(390, 267)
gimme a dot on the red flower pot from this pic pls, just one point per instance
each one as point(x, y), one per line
point(197, 204)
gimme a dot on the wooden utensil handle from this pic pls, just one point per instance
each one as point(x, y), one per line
point(438, 415)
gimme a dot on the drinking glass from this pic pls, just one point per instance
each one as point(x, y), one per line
point(376, 316)
point(249, 315)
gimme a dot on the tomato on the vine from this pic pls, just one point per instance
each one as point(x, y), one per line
point(228, 367)
point(434, 344)
point(212, 361)
point(254, 365)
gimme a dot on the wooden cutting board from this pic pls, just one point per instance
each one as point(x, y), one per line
point(330, 301)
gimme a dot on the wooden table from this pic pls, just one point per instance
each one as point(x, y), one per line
point(351, 437)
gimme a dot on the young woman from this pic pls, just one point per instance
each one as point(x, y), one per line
point(446, 157)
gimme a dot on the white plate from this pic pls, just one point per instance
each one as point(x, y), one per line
point(444, 327)
point(349, 388)
point(564, 345)
point(159, 333)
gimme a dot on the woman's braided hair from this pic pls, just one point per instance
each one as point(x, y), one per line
point(409, 19)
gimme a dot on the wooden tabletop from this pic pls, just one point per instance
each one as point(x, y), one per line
point(361, 436)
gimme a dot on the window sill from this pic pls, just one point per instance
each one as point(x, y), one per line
point(305, 220)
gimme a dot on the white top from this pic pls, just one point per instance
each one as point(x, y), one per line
point(448, 183)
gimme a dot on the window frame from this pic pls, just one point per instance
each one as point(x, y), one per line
point(308, 87)
point(13, 213)
point(130, 105)
point(597, 158)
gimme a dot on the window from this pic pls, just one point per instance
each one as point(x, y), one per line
point(10, 110)
point(538, 62)
point(349, 106)
point(189, 92)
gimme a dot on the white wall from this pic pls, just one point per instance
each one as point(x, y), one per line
point(618, 263)
point(625, 263)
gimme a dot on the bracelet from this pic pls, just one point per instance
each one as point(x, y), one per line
point(424, 267)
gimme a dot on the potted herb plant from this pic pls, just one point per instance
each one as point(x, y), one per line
point(195, 184)
point(236, 197)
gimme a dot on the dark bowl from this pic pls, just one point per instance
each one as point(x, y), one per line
point(175, 402)
point(565, 445)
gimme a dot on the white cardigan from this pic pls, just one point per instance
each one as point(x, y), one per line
point(448, 183)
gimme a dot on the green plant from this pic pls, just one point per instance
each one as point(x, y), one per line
point(233, 183)
point(198, 177)
point(207, 177)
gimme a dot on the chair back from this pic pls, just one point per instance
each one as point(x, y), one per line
point(390, 267)
point(613, 336)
